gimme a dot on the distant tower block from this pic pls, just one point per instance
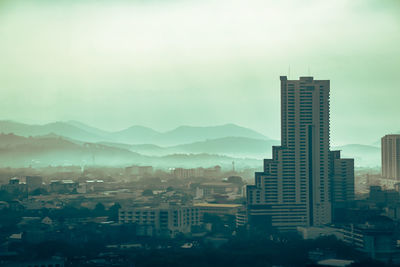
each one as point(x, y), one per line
point(390, 146)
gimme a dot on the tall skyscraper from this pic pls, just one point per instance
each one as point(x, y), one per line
point(295, 187)
point(390, 146)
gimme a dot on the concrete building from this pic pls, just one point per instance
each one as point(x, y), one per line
point(390, 147)
point(34, 182)
point(223, 211)
point(207, 190)
point(342, 184)
point(383, 197)
point(315, 232)
point(377, 239)
point(182, 173)
point(95, 185)
point(342, 177)
point(164, 220)
point(139, 170)
point(14, 185)
point(63, 186)
point(218, 209)
point(295, 188)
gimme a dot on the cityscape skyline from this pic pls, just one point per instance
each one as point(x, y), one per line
point(199, 133)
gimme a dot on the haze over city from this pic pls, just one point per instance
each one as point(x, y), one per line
point(164, 64)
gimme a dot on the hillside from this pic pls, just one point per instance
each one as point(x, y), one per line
point(17, 151)
point(364, 155)
point(136, 135)
point(190, 134)
point(132, 135)
point(233, 146)
point(58, 128)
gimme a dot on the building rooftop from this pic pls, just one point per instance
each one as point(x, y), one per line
point(216, 184)
point(217, 205)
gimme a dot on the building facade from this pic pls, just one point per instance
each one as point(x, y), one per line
point(390, 147)
point(377, 240)
point(34, 182)
point(168, 220)
point(295, 187)
point(342, 178)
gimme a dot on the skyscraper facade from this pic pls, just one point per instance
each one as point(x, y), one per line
point(342, 179)
point(295, 187)
point(390, 146)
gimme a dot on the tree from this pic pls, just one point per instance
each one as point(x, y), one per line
point(170, 188)
point(99, 209)
point(113, 211)
point(5, 196)
point(39, 191)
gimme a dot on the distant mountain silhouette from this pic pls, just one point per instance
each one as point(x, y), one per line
point(228, 146)
point(132, 135)
point(58, 128)
point(66, 140)
point(136, 135)
point(18, 151)
point(364, 155)
point(190, 134)
point(89, 129)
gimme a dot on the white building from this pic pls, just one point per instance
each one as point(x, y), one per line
point(163, 220)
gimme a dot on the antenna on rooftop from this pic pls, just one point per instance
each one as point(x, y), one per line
point(289, 73)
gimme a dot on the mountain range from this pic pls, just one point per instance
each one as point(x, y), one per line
point(41, 151)
point(132, 135)
point(76, 143)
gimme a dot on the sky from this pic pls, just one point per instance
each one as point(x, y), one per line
point(162, 64)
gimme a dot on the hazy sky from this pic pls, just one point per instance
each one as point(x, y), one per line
point(164, 63)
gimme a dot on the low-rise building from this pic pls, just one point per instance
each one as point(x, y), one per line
point(207, 190)
point(34, 182)
point(377, 239)
point(162, 220)
point(139, 170)
point(14, 186)
point(63, 186)
point(95, 185)
point(182, 173)
point(314, 232)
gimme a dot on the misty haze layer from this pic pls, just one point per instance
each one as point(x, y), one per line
point(168, 63)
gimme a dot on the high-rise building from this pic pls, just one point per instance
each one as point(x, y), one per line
point(342, 184)
point(390, 145)
point(342, 179)
point(295, 187)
